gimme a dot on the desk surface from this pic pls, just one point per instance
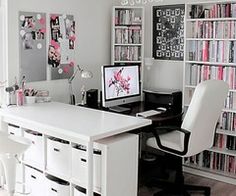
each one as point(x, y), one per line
point(67, 121)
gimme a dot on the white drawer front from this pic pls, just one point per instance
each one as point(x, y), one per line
point(14, 130)
point(54, 188)
point(34, 154)
point(79, 191)
point(58, 157)
point(79, 168)
point(34, 179)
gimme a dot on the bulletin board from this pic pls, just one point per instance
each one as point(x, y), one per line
point(168, 32)
point(61, 46)
point(32, 49)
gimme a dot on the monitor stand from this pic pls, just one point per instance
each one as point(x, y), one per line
point(119, 109)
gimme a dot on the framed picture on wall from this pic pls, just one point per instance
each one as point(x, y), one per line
point(168, 32)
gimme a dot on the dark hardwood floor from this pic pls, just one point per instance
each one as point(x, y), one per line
point(217, 188)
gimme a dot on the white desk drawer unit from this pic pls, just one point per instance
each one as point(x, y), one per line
point(14, 130)
point(56, 187)
point(79, 166)
point(58, 156)
point(79, 191)
point(34, 154)
point(35, 180)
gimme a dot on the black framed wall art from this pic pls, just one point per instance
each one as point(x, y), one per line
point(168, 32)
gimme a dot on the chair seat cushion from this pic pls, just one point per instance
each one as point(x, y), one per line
point(173, 140)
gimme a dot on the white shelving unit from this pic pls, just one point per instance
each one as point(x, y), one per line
point(127, 39)
point(210, 53)
point(127, 35)
point(119, 152)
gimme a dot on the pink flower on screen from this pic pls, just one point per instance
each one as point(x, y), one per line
point(120, 83)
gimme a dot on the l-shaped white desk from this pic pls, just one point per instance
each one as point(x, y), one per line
point(71, 123)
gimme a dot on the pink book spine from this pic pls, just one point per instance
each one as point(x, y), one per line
point(231, 77)
point(205, 51)
point(220, 73)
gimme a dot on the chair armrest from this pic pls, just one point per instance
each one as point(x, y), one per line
point(160, 130)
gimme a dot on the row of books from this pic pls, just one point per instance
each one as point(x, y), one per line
point(127, 17)
point(127, 53)
point(215, 11)
point(128, 35)
point(199, 73)
point(213, 51)
point(214, 161)
point(225, 142)
point(227, 121)
point(213, 29)
point(230, 102)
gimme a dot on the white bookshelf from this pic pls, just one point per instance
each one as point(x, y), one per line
point(127, 34)
point(205, 42)
point(127, 39)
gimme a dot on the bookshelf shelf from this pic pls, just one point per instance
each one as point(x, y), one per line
point(210, 39)
point(211, 63)
point(122, 62)
point(226, 132)
point(210, 53)
point(128, 44)
point(193, 87)
point(126, 25)
point(210, 19)
point(223, 151)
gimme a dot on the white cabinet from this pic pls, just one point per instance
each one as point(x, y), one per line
point(115, 166)
point(34, 155)
point(79, 191)
point(56, 187)
point(35, 181)
point(210, 53)
point(79, 166)
point(14, 130)
point(58, 156)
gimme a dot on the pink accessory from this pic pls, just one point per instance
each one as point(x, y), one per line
point(19, 97)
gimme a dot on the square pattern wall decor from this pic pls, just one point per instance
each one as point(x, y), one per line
point(168, 32)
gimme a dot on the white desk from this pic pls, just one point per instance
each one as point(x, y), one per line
point(72, 123)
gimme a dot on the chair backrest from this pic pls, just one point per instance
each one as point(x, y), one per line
point(203, 113)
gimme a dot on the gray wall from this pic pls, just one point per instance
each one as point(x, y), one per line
point(93, 23)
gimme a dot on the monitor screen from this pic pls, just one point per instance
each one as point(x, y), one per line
point(121, 84)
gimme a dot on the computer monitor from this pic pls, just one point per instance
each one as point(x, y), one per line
point(120, 84)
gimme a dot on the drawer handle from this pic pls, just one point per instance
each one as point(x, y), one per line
point(84, 160)
point(54, 190)
point(11, 133)
point(33, 177)
point(56, 150)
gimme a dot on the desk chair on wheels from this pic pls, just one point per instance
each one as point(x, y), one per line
point(195, 135)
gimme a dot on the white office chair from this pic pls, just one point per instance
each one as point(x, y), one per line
point(10, 147)
point(196, 133)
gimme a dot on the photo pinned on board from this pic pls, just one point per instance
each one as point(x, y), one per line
point(28, 40)
point(28, 22)
point(54, 56)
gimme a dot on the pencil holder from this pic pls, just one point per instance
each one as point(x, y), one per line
point(30, 99)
